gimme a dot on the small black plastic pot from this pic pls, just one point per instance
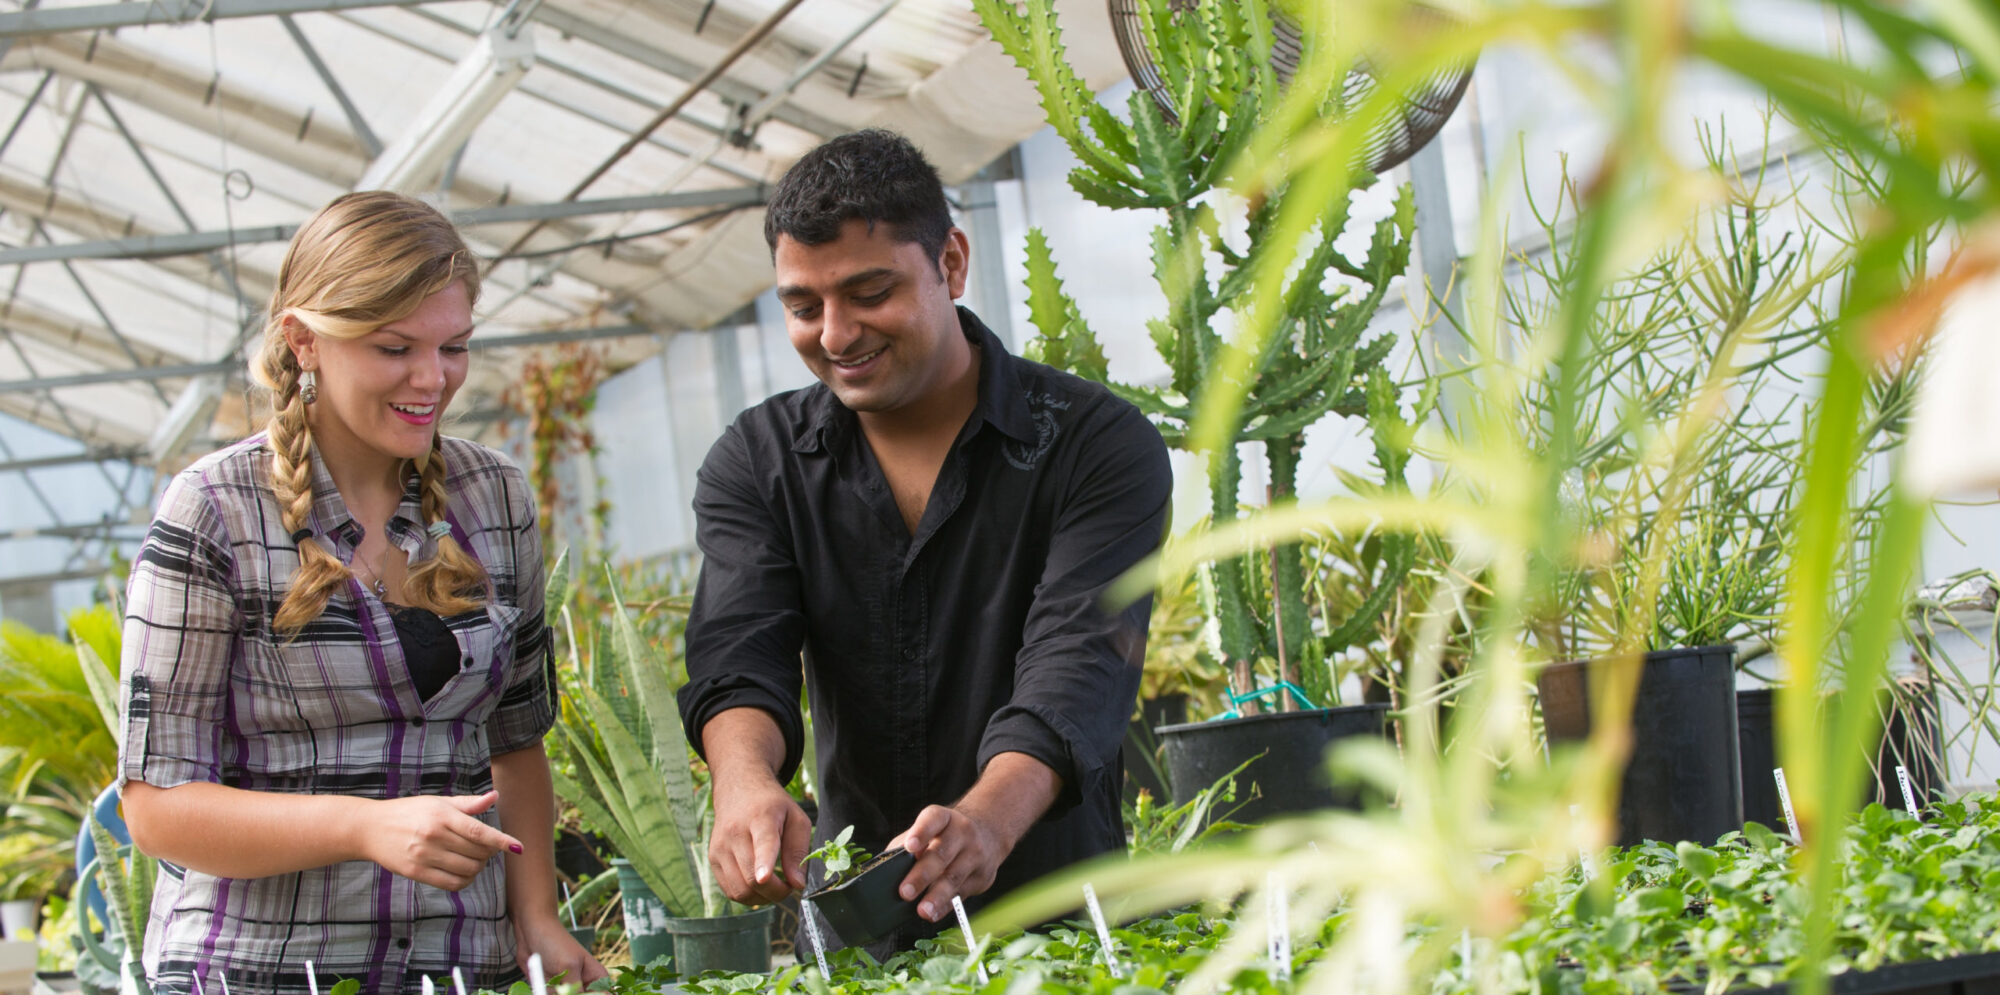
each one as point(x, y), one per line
point(1287, 754)
point(1909, 739)
point(1683, 781)
point(866, 907)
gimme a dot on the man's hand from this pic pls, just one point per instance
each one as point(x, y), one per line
point(434, 839)
point(562, 956)
point(959, 847)
point(759, 844)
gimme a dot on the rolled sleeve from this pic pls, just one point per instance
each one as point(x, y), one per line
point(1077, 673)
point(747, 626)
point(526, 711)
point(179, 643)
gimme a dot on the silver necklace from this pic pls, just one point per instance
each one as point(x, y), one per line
point(380, 589)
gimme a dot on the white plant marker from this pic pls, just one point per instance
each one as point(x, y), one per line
point(965, 924)
point(458, 980)
point(312, 979)
point(1279, 943)
point(1909, 793)
point(1103, 931)
point(812, 933)
point(223, 976)
point(197, 986)
point(429, 989)
point(1785, 797)
point(535, 979)
point(571, 909)
point(1465, 950)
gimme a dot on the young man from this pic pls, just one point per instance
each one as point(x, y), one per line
point(935, 525)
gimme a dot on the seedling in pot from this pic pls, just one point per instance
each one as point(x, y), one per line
point(839, 857)
point(860, 899)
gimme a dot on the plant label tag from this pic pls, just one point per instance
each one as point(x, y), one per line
point(971, 944)
point(812, 933)
point(1909, 793)
point(312, 979)
point(458, 981)
point(1103, 931)
point(429, 989)
point(1279, 945)
point(223, 977)
point(1785, 798)
point(536, 981)
point(567, 907)
point(198, 990)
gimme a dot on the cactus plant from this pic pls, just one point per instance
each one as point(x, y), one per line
point(1320, 360)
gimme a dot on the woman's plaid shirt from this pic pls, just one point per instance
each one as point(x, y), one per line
point(212, 694)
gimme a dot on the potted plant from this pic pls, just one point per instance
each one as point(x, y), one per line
point(624, 765)
point(858, 894)
point(1320, 360)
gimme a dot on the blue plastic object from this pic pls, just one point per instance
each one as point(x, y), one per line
point(1282, 687)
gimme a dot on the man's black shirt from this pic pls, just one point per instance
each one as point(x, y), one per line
point(927, 655)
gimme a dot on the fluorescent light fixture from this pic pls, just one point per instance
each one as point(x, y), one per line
point(191, 412)
point(415, 159)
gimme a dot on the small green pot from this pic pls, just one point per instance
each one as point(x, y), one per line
point(740, 944)
point(646, 917)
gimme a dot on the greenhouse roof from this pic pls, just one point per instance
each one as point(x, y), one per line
point(158, 153)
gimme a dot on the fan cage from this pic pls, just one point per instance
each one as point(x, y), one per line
point(1421, 114)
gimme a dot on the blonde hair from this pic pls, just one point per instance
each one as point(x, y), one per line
point(363, 261)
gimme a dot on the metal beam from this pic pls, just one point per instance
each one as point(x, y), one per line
point(557, 336)
point(70, 459)
point(193, 243)
point(111, 16)
point(114, 376)
point(362, 133)
point(685, 69)
point(138, 373)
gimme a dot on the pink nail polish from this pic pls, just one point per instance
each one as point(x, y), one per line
point(516, 847)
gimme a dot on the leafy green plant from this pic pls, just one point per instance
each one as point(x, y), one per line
point(1505, 509)
point(623, 760)
point(1320, 359)
point(58, 744)
point(837, 857)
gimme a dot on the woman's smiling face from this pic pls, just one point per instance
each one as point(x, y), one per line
point(383, 394)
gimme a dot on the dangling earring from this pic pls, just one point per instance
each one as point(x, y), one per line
point(308, 386)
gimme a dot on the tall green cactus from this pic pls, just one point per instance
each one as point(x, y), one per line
point(1213, 57)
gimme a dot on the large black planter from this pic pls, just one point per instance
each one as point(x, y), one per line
point(866, 907)
point(1683, 781)
point(1972, 974)
point(1904, 739)
point(1290, 775)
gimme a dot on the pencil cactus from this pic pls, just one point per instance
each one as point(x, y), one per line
point(1322, 361)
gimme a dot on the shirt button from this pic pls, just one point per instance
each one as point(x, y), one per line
point(465, 663)
point(403, 943)
point(418, 722)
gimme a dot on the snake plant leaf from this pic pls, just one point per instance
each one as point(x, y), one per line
point(635, 791)
point(103, 689)
point(648, 678)
point(560, 587)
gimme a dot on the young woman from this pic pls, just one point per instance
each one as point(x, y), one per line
point(335, 666)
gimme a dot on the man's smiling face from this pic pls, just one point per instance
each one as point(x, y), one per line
point(871, 315)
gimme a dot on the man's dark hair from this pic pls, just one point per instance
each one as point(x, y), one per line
point(874, 176)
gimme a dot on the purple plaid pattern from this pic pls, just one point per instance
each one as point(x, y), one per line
point(210, 693)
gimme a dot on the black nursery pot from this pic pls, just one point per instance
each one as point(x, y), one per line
point(1290, 775)
point(1682, 781)
point(1907, 739)
point(866, 907)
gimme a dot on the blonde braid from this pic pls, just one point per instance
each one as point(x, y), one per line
point(452, 582)
point(320, 573)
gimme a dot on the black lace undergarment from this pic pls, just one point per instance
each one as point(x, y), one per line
point(429, 649)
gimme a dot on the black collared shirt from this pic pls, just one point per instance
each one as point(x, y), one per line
point(927, 655)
